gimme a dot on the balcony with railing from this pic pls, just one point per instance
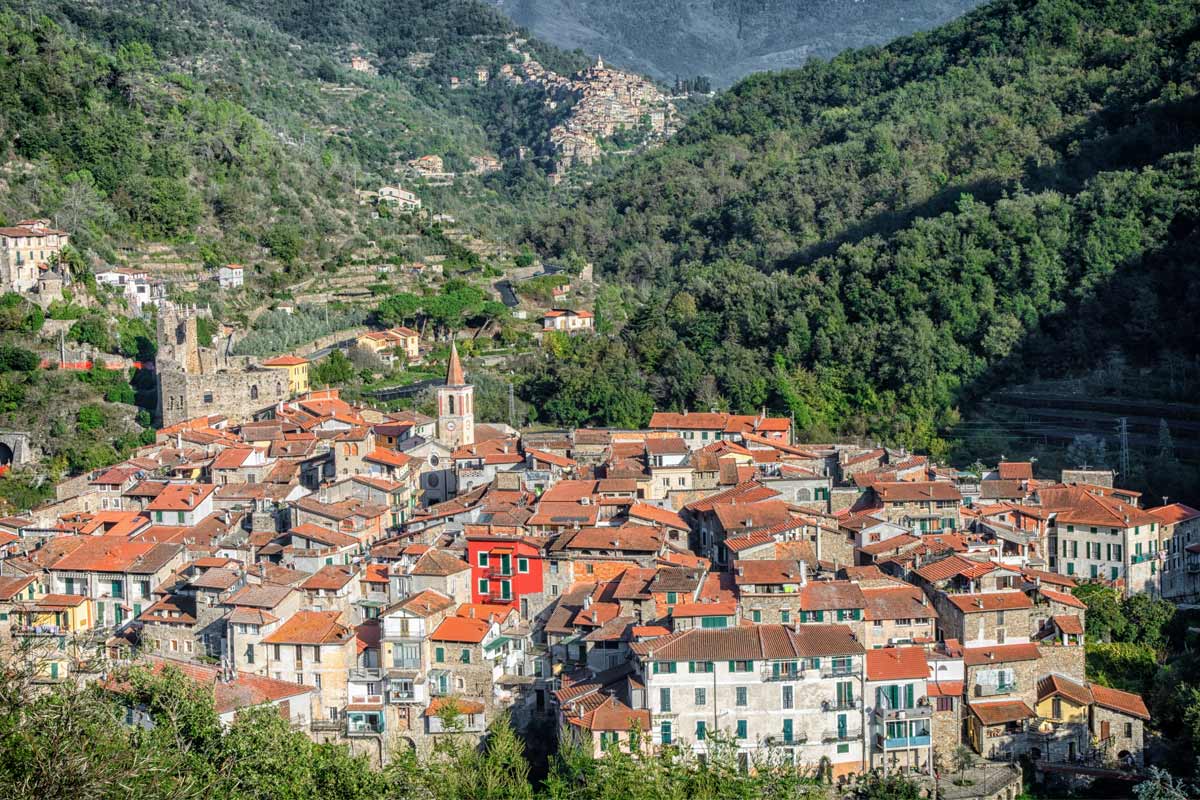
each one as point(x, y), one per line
point(364, 723)
point(922, 710)
point(842, 704)
point(993, 689)
point(918, 739)
point(327, 725)
point(847, 734)
point(366, 673)
point(406, 663)
point(783, 740)
point(839, 671)
point(779, 672)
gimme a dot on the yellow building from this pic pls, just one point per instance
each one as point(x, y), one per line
point(297, 371)
point(385, 343)
point(47, 627)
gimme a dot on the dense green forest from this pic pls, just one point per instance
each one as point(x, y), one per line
point(872, 242)
point(225, 130)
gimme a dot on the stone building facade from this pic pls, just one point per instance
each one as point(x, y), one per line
point(194, 380)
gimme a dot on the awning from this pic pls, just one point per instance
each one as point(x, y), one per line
point(496, 644)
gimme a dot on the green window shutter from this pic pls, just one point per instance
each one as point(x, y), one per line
point(820, 616)
point(665, 729)
point(671, 598)
point(700, 731)
point(741, 729)
point(439, 654)
point(756, 615)
point(787, 730)
point(731, 666)
point(785, 616)
point(908, 696)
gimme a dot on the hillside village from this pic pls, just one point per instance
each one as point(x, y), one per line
point(601, 102)
point(387, 579)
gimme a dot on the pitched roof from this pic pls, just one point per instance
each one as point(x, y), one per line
point(1000, 654)
point(895, 602)
point(990, 601)
point(330, 577)
point(1174, 513)
point(458, 704)
point(454, 371)
point(1000, 712)
point(181, 497)
point(1117, 700)
point(1058, 684)
point(424, 603)
point(751, 643)
point(897, 663)
point(461, 629)
point(661, 516)
point(613, 715)
point(1015, 470)
point(1062, 597)
point(284, 361)
point(916, 491)
point(311, 627)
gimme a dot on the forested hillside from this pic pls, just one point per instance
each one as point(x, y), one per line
point(868, 242)
point(202, 123)
point(724, 39)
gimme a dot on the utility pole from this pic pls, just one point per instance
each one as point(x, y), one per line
point(1123, 432)
point(512, 408)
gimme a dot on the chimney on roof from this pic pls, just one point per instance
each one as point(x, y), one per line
point(587, 602)
point(803, 572)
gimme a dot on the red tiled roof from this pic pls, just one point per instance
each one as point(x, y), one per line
point(945, 688)
point(1174, 513)
point(1068, 624)
point(284, 361)
point(1062, 597)
point(751, 643)
point(311, 627)
point(425, 603)
point(1057, 684)
point(181, 497)
point(1000, 654)
point(389, 457)
point(1124, 702)
point(990, 601)
point(329, 578)
point(689, 610)
point(897, 663)
point(457, 703)
point(662, 516)
point(1015, 470)
point(1000, 712)
point(688, 421)
point(461, 629)
point(916, 491)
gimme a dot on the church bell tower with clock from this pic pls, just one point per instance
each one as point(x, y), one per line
point(456, 406)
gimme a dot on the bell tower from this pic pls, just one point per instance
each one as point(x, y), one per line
point(456, 406)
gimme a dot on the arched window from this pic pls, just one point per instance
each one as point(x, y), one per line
point(803, 495)
point(450, 404)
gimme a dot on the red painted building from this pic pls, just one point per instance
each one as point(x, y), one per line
point(505, 569)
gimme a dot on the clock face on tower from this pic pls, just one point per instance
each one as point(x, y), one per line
point(450, 426)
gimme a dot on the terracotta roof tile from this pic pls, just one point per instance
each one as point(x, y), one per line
point(311, 627)
point(1000, 712)
point(1117, 700)
point(897, 663)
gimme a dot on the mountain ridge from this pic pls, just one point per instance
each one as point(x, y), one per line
point(723, 39)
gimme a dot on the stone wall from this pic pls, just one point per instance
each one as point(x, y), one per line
point(1065, 660)
point(1119, 742)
